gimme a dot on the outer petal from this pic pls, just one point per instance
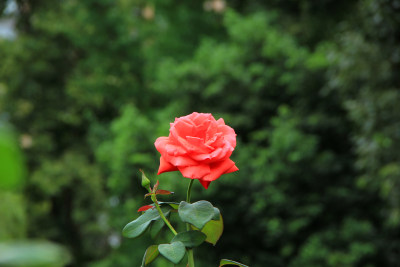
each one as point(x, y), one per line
point(165, 166)
point(161, 144)
point(219, 168)
point(232, 169)
point(199, 118)
point(229, 134)
point(205, 184)
point(195, 172)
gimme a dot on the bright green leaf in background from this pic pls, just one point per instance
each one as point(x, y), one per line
point(213, 230)
point(13, 221)
point(12, 169)
point(150, 255)
point(33, 254)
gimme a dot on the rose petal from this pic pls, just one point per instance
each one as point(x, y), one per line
point(229, 134)
point(175, 150)
point(205, 184)
point(175, 139)
point(180, 160)
point(195, 172)
point(217, 169)
point(217, 155)
point(232, 169)
point(197, 145)
point(191, 116)
point(220, 121)
point(182, 128)
point(165, 166)
point(199, 118)
point(216, 141)
point(200, 130)
point(211, 130)
point(161, 143)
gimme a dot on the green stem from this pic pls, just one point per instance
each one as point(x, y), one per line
point(189, 191)
point(190, 251)
point(153, 197)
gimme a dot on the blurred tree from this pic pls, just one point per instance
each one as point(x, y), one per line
point(309, 86)
point(365, 72)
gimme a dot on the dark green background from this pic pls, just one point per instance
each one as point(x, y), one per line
point(311, 88)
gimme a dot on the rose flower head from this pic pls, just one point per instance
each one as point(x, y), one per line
point(199, 147)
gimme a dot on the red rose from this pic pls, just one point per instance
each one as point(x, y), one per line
point(199, 147)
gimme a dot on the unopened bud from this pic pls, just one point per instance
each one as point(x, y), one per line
point(145, 181)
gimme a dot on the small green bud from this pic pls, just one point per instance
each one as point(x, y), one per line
point(145, 181)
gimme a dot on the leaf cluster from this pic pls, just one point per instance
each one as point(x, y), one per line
point(205, 220)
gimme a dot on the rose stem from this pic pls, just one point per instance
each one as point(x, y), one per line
point(153, 197)
point(190, 251)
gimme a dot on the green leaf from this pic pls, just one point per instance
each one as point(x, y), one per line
point(150, 255)
point(135, 229)
point(229, 262)
point(173, 205)
point(190, 238)
point(213, 230)
point(197, 214)
point(174, 252)
point(138, 226)
point(217, 214)
point(156, 227)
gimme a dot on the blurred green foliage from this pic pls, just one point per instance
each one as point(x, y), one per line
point(311, 88)
point(15, 249)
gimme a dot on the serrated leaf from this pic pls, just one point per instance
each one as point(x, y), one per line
point(173, 252)
point(150, 255)
point(138, 226)
point(197, 214)
point(213, 230)
point(190, 239)
point(230, 262)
